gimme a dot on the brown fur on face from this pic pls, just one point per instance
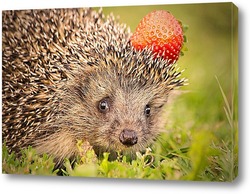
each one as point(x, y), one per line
point(127, 99)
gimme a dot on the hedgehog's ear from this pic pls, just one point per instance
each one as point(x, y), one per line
point(82, 72)
point(80, 80)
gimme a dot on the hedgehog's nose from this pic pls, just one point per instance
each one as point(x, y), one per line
point(128, 137)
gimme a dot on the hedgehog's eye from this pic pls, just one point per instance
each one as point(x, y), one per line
point(103, 106)
point(147, 110)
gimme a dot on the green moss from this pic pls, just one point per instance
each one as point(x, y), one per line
point(28, 163)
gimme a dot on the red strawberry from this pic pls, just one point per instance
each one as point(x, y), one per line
point(161, 32)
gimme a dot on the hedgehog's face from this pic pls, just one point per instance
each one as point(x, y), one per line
point(115, 113)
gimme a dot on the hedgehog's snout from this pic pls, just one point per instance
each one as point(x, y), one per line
point(128, 137)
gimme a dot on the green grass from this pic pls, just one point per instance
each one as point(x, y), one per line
point(201, 138)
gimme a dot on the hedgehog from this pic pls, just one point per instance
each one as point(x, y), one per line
point(72, 74)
